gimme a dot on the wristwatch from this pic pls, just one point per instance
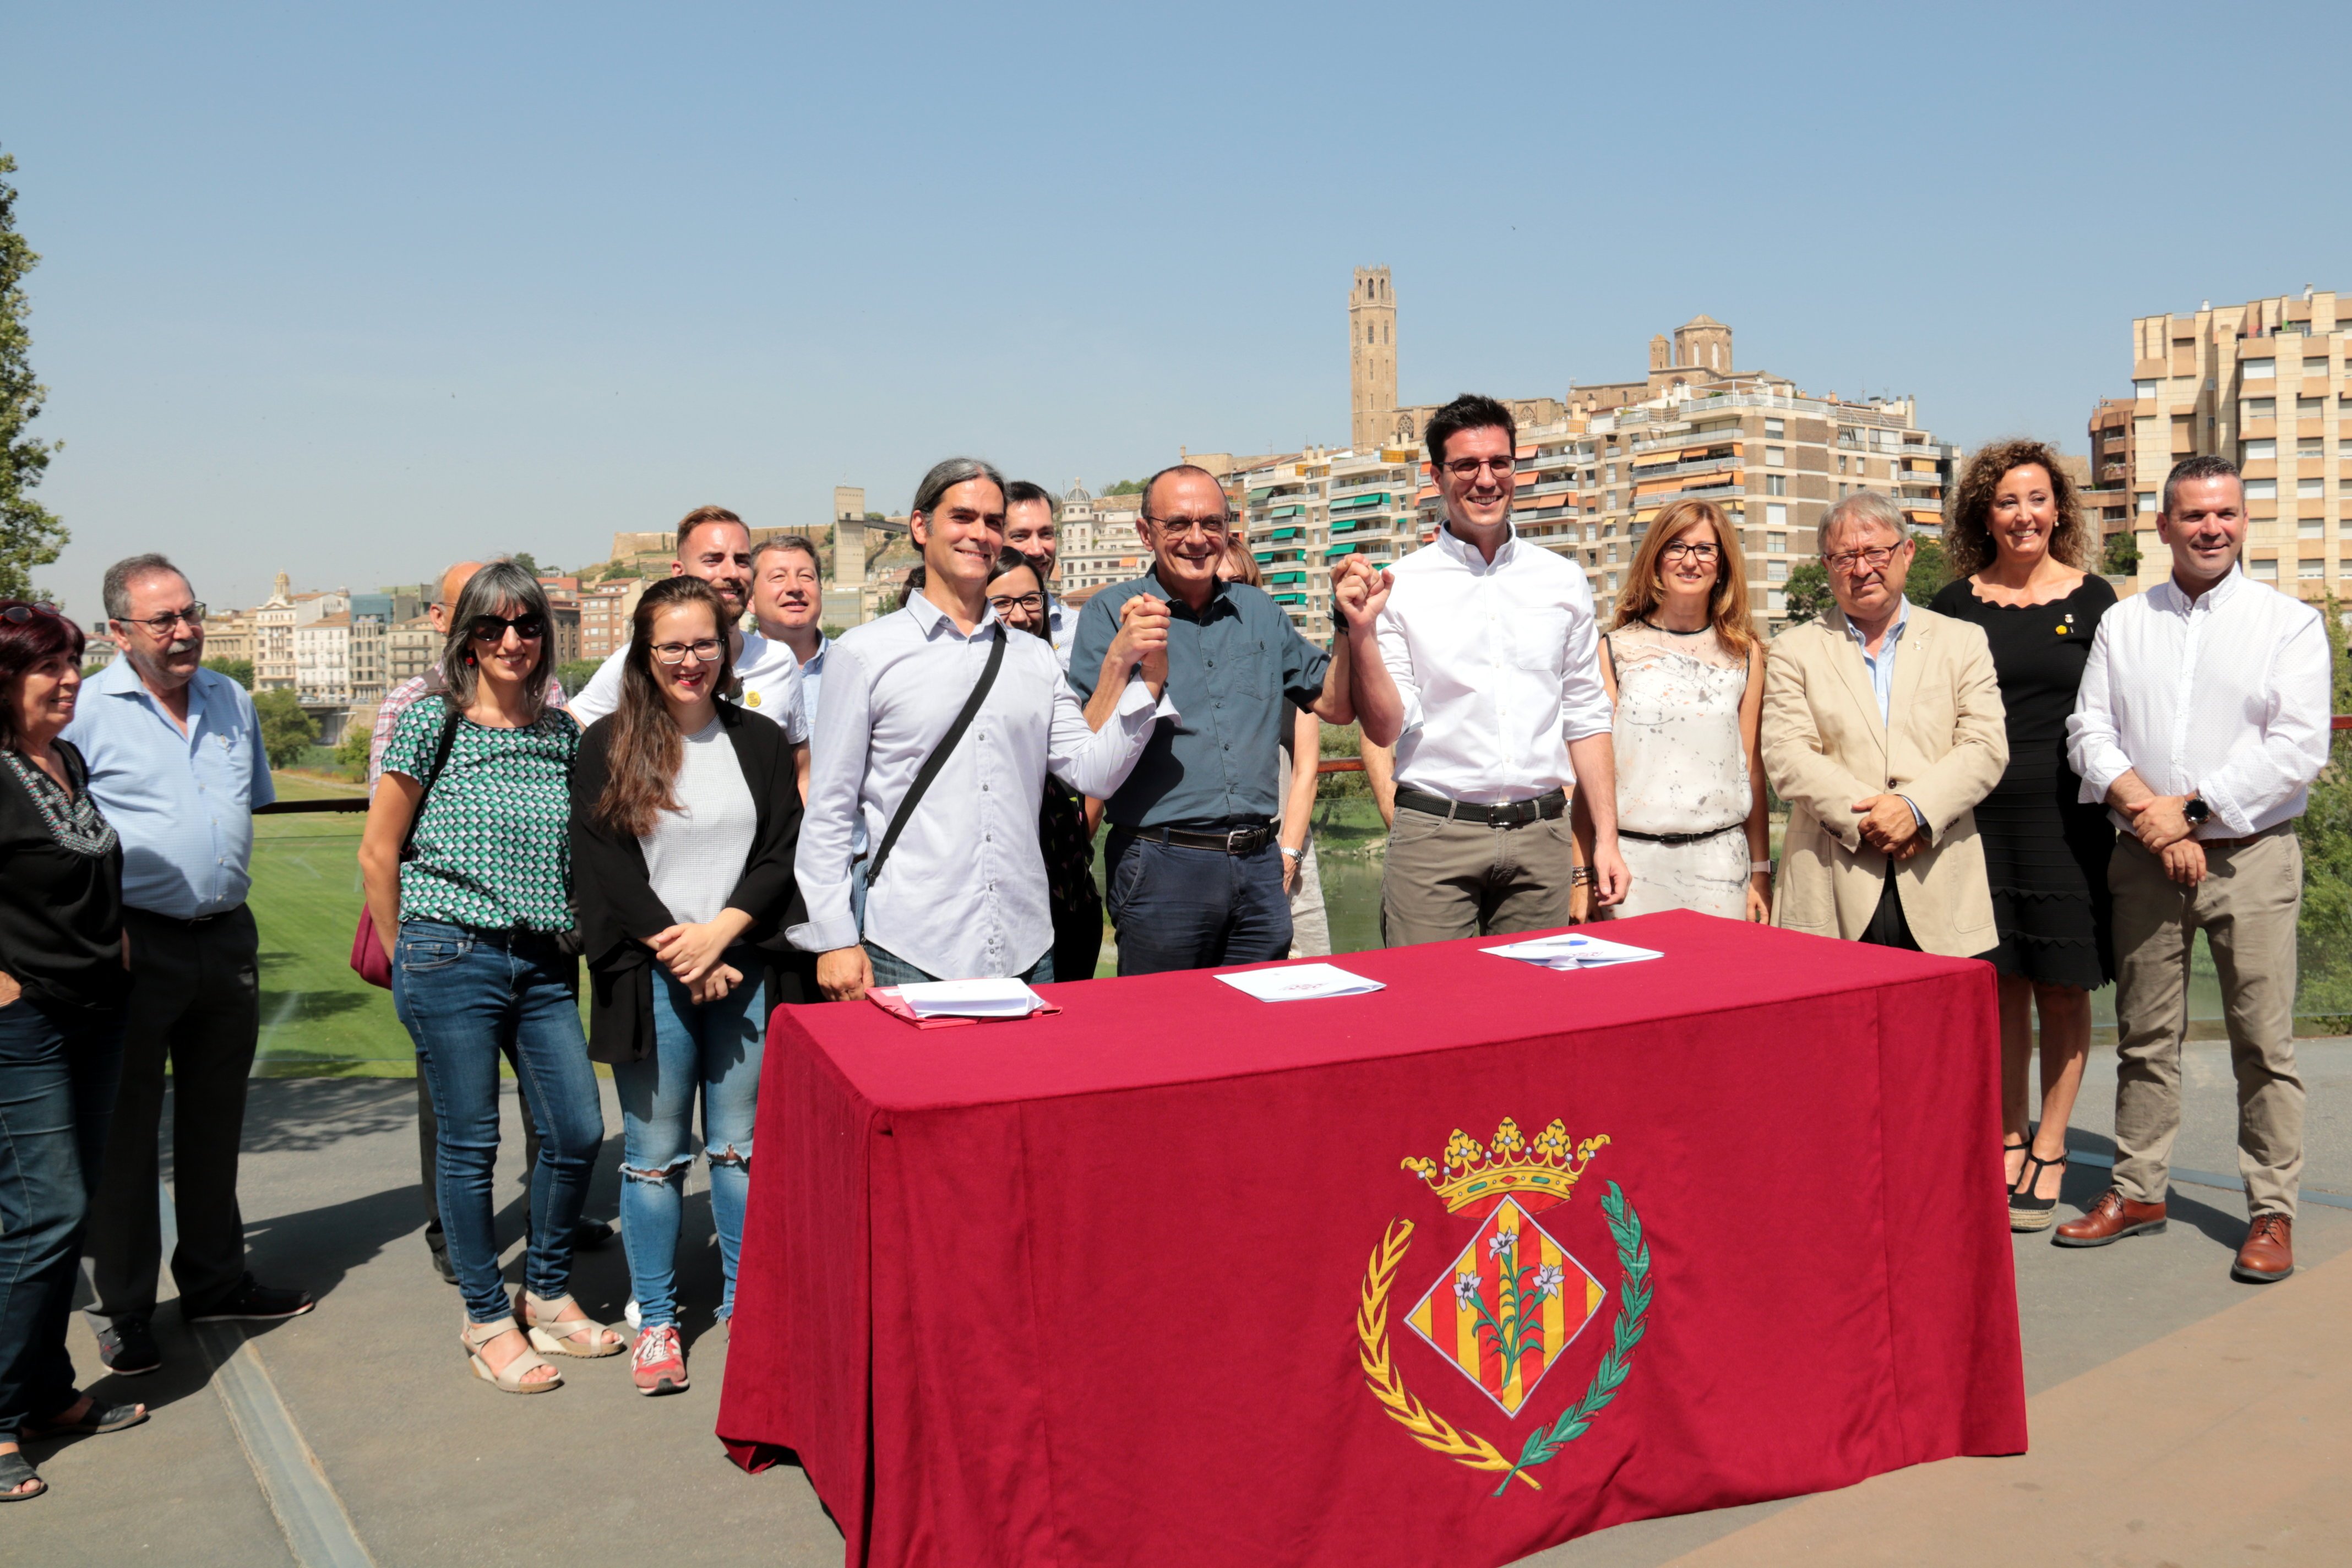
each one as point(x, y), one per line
point(1766, 866)
point(2195, 811)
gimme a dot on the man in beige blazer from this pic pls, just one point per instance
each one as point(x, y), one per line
point(1882, 728)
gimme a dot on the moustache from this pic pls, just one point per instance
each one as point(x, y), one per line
point(180, 646)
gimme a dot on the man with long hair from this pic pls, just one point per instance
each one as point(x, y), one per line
point(959, 889)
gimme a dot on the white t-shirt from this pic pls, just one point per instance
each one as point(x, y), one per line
point(695, 854)
point(770, 674)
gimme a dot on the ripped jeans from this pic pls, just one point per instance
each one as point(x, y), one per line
point(714, 1048)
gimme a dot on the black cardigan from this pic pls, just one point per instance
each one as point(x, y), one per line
point(618, 910)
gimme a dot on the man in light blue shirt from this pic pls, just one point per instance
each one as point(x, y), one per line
point(177, 766)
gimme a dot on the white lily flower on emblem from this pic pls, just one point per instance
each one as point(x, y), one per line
point(1502, 1241)
point(1466, 1288)
point(1548, 1280)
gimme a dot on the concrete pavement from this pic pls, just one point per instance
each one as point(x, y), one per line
point(425, 1467)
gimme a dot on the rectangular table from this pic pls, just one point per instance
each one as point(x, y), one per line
point(1154, 1281)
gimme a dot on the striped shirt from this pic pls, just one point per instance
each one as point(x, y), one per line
point(2224, 698)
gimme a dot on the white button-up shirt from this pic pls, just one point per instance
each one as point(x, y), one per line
point(1497, 663)
point(963, 894)
point(1061, 629)
point(2225, 698)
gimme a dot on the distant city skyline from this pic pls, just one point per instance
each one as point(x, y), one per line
point(351, 294)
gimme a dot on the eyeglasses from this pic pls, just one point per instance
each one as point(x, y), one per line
point(163, 624)
point(705, 651)
point(1704, 555)
point(493, 629)
point(22, 615)
point(1848, 562)
point(1468, 467)
point(1178, 526)
point(1029, 603)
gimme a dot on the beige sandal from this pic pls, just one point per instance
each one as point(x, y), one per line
point(476, 1336)
point(552, 1333)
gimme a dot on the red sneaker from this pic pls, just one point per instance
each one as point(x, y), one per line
point(659, 1364)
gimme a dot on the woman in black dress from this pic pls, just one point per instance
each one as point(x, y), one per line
point(2020, 560)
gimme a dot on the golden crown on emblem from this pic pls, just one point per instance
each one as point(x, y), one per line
point(1476, 1174)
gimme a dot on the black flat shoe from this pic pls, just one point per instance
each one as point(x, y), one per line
point(98, 1419)
point(15, 1471)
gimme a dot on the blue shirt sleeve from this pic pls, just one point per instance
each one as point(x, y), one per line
point(264, 786)
point(1098, 624)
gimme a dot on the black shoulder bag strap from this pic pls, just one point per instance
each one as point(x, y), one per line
point(937, 759)
point(440, 761)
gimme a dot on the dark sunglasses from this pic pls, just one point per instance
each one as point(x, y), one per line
point(22, 615)
point(493, 629)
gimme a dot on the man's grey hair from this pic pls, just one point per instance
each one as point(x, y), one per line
point(786, 541)
point(2205, 465)
point(945, 475)
point(116, 589)
point(1864, 506)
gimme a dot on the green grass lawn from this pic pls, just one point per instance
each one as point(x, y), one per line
point(317, 1016)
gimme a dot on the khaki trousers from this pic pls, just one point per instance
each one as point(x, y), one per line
point(2246, 906)
point(1446, 879)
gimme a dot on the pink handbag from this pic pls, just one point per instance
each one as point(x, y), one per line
point(369, 960)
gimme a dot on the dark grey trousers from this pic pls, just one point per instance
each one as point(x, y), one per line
point(194, 1003)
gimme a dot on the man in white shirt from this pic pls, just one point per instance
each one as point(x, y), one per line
point(714, 545)
point(1489, 686)
point(1032, 525)
point(961, 893)
point(2201, 721)
point(787, 600)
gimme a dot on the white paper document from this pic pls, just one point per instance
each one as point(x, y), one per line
point(971, 999)
point(1573, 952)
point(1300, 983)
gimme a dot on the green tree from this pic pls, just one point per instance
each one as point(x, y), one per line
point(2122, 555)
point(1930, 570)
point(576, 675)
point(286, 731)
point(30, 534)
point(2324, 933)
point(526, 561)
point(1808, 593)
point(351, 752)
point(237, 670)
point(1126, 487)
point(615, 570)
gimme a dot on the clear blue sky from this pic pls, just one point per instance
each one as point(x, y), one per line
point(350, 291)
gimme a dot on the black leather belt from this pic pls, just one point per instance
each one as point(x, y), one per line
point(1231, 840)
point(1512, 814)
point(190, 924)
point(1681, 837)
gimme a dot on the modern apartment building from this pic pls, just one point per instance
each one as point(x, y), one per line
point(2263, 382)
point(411, 647)
point(2107, 501)
point(605, 611)
point(1302, 512)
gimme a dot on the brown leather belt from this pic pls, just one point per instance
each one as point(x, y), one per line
point(2272, 831)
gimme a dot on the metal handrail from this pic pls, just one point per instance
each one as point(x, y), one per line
point(1327, 765)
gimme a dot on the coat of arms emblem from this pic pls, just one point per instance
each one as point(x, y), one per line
point(1512, 1299)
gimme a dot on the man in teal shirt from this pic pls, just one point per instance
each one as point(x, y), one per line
point(1194, 865)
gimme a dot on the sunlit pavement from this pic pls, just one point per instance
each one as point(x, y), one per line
point(2176, 1415)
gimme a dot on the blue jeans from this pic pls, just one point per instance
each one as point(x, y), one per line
point(1194, 908)
point(56, 1092)
point(889, 969)
point(715, 1046)
point(466, 997)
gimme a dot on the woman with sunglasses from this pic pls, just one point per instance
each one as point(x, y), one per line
point(685, 813)
point(467, 868)
point(61, 991)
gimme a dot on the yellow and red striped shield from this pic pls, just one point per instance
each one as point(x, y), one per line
point(1512, 1302)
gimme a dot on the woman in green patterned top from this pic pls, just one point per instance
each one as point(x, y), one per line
point(466, 860)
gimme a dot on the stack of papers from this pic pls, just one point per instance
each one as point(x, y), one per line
point(970, 999)
point(1300, 983)
point(1572, 953)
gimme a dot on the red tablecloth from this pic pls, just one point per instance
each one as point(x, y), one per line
point(1147, 1282)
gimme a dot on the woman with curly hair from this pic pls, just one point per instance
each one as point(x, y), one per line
point(2020, 565)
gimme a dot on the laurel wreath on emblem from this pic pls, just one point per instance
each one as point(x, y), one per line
point(1432, 1430)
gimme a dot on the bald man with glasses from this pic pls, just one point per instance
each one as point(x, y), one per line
point(1195, 859)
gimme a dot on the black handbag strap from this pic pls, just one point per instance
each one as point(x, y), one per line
point(939, 757)
point(440, 761)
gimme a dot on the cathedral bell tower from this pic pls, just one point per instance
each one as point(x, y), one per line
point(1371, 358)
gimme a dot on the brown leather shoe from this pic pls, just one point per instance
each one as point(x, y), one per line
point(2268, 1255)
point(2112, 1218)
